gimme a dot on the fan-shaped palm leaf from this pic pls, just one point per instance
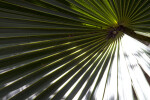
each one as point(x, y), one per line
point(74, 49)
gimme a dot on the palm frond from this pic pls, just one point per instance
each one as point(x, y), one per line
point(74, 49)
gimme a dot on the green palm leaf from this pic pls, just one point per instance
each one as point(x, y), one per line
point(74, 49)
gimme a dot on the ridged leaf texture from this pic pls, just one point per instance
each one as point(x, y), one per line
point(74, 49)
